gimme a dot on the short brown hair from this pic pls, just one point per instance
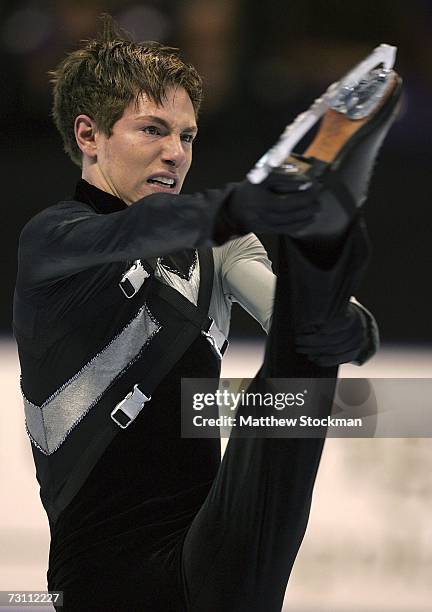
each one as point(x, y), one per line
point(107, 73)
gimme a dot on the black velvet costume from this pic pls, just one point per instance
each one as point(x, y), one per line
point(158, 524)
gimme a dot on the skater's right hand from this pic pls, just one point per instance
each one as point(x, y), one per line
point(276, 206)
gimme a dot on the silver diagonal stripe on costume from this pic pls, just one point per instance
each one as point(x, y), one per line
point(48, 425)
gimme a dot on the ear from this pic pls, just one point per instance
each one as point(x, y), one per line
point(85, 131)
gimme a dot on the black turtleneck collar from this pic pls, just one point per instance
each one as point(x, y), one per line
point(99, 200)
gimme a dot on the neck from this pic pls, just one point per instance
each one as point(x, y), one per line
point(92, 173)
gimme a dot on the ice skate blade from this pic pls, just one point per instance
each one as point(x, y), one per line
point(337, 127)
point(356, 95)
point(341, 161)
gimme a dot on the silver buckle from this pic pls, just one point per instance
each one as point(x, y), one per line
point(134, 277)
point(130, 406)
point(217, 340)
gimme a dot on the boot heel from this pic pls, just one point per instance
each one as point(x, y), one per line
point(337, 129)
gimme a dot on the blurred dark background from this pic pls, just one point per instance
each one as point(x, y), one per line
point(263, 63)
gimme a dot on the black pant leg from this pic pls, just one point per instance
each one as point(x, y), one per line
point(240, 549)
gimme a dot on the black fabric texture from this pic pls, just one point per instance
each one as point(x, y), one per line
point(120, 535)
point(159, 525)
point(148, 483)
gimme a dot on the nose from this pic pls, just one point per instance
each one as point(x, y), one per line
point(173, 152)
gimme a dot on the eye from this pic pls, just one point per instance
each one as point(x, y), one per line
point(152, 130)
point(188, 138)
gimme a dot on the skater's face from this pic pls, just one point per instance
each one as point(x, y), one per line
point(149, 150)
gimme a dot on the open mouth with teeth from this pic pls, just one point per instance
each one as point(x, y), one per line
point(163, 181)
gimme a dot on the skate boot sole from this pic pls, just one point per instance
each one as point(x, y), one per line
point(336, 129)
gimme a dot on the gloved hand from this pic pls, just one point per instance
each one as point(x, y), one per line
point(278, 205)
point(340, 340)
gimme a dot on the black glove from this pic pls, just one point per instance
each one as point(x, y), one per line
point(339, 340)
point(276, 206)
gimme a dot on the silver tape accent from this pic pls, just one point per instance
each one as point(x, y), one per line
point(188, 288)
point(49, 424)
point(191, 267)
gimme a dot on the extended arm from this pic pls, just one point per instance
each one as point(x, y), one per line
point(70, 237)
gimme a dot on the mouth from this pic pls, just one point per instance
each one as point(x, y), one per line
point(162, 182)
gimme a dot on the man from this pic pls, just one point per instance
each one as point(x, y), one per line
point(114, 293)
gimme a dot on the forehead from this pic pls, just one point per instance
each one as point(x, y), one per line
point(176, 108)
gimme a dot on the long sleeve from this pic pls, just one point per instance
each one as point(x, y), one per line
point(70, 237)
point(247, 278)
